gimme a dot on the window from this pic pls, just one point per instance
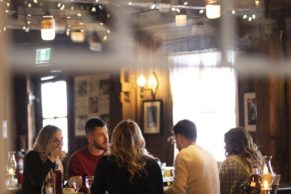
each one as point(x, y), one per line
point(54, 107)
point(204, 94)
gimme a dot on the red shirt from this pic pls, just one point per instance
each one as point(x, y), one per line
point(82, 163)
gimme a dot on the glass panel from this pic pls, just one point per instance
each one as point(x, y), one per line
point(61, 123)
point(54, 99)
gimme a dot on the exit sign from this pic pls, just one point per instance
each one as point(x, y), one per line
point(42, 56)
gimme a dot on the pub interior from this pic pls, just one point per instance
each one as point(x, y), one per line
point(239, 56)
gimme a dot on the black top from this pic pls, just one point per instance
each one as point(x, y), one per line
point(35, 171)
point(115, 179)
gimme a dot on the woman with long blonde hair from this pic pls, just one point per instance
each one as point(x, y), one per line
point(128, 168)
point(42, 158)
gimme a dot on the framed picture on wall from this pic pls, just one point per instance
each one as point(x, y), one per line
point(91, 99)
point(250, 111)
point(152, 112)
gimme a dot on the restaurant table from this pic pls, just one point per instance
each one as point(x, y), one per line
point(284, 190)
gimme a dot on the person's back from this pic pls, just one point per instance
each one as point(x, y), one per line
point(202, 170)
point(128, 169)
point(242, 155)
point(118, 179)
point(196, 170)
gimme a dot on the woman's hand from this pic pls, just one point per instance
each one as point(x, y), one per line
point(56, 153)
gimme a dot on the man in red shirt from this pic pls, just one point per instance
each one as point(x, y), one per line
point(83, 162)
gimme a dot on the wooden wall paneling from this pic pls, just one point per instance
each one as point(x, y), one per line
point(271, 121)
point(5, 106)
point(263, 106)
point(128, 94)
point(278, 124)
point(132, 109)
point(115, 103)
point(166, 150)
point(288, 126)
point(20, 104)
point(272, 131)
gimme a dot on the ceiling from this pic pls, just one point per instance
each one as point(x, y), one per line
point(120, 25)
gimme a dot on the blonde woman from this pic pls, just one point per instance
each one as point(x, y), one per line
point(128, 168)
point(41, 159)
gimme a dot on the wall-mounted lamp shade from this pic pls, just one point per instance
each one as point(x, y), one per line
point(48, 28)
point(213, 11)
point(78, 36)
point(141, 81)
point(181, 19)
point(152, 82)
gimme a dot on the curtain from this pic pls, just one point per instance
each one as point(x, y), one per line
point(206, 95)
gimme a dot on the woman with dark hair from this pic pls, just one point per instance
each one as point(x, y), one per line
point(242, 155)
point(128, 168)
point(42, 158)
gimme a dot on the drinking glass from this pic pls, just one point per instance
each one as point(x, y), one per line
point(88, 182)
point(76, 182)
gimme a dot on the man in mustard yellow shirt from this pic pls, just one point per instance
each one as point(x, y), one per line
point(196, 170)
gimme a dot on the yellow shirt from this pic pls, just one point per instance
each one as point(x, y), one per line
point(196, 172)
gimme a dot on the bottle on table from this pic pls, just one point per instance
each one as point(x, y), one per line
point(254, 182)
point(58, 177)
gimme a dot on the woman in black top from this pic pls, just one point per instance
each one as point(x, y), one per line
point(41, 159)
point(128, 169)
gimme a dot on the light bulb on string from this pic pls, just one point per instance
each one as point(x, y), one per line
point(213, 9)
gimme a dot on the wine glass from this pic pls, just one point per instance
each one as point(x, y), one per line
point(76, 182)
point(88, 182)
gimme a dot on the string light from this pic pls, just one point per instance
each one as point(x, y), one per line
point(62, 7)
point(93, 9)
point(213, 9)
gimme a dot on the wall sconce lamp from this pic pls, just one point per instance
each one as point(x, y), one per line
point(150, 84)
point(48, 28)
point(213, 9)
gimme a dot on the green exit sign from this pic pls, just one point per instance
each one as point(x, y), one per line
point(42, 56)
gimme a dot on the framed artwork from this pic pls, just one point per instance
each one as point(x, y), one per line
point(152, 112)
point(250, 111)
point(91, 99)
